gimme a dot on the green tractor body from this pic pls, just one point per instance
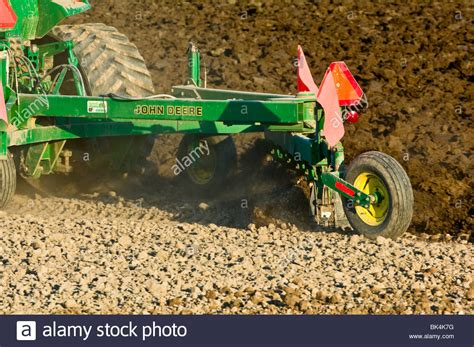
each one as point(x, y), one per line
point(36, 18)
point(68, 85)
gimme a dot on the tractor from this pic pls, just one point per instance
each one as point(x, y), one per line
point(66, 90)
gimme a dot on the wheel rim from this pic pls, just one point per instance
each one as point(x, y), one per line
point(203, 169)
point(377, 212)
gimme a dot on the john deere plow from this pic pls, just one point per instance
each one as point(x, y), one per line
point(67, 90)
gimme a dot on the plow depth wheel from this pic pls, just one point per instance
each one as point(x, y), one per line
point(380, 175)
point(377, 212)
point(204, 163)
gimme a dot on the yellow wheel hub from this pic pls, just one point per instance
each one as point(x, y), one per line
point(203, 170)
point(377, 211)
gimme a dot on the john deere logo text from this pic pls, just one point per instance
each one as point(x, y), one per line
point(161, 110)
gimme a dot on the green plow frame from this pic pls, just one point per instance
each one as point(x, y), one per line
point(292, 123)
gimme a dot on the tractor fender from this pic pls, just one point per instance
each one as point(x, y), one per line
point(52, 12)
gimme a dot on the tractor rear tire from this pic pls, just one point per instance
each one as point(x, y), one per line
point(380, 174)
point(7, 180)
point(109, 63)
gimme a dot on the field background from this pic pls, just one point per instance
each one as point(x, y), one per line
point(411, 59)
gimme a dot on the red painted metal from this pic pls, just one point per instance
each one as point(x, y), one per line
point(348, 90)
point(352, 117)
point(7, 15)
point(345, 189)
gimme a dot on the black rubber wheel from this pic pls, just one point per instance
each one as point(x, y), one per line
point(380, 174)
point(7, 180)
point(109, 63)
point(203, 164)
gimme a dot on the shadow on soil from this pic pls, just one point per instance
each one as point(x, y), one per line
point(260, 193)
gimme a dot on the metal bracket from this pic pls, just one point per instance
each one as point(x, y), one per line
point(346, 189)
point(327, 210)
point(41, 159)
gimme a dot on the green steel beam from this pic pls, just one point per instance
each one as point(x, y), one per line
point(331, 180)
point(53, 48)
point(230, 111)
point(4, 143)
point(194, 65)
point(105, 129)
point(223, 94)
point(298, 146)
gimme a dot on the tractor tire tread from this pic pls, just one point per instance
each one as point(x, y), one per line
point(110, 61)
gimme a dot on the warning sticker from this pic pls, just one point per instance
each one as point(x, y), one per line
point(97, 106)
